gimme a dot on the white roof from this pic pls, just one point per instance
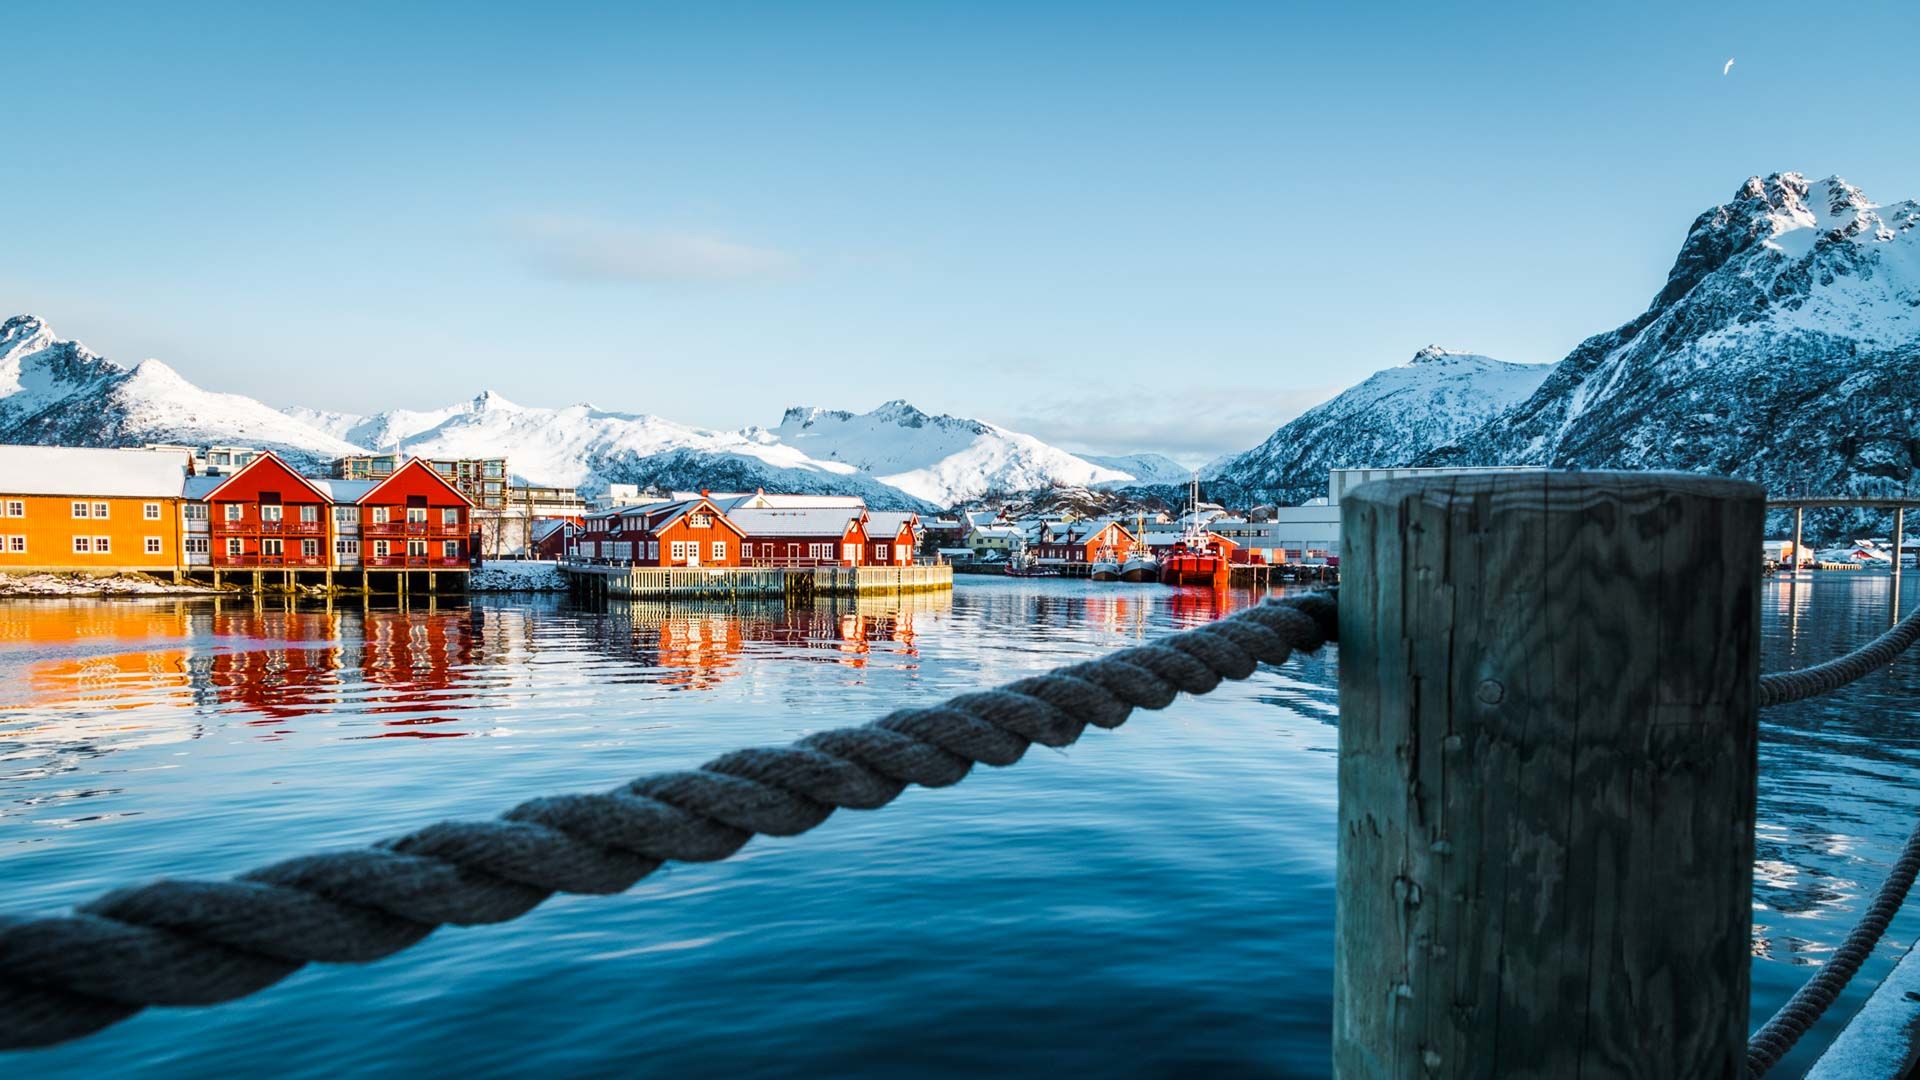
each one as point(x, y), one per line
point(889, 521)
point(343, 491)
point(817, 521)
point(71, 470)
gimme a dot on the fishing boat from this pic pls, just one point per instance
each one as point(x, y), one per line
point(1105, 565)
point(1140, 565)
point(1196, 558)
point(1021, 565)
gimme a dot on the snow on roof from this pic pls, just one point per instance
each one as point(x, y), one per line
point(890, 521)
point(546, 527)
point(69, 470)
point(344, 491)
point(812, 521)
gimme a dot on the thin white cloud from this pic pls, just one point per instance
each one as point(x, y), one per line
point(583, 249)
point(1188, 425)
point(1729, 66)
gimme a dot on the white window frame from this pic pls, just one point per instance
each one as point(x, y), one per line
point(450, 515)
point(82, 545)
point(233, 511)
point(881, 553)
point(16, 508)
point(193, 511)
point(679, 551)
point(197, 545)
point(449, 549)
point(346, 515)
point(379, 516)
point(80, 510)
point(382, 549)
point(273, 512)
point(153, 546)
point(719, 550)
point(419, 510)
point(16, 545)
point(653, 550)
point(310, 547)
point(309, 513)
point(416, 549)
point(346, 547)
point(273, 545)
point(233, 547)
point(150, 511)
point(103, 545)
point(102, 510)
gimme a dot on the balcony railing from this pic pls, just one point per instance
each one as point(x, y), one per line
point(414, 528)
point(255, 560)
point(270, 528)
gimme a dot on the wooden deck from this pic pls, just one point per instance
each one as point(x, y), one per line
point(754, 582)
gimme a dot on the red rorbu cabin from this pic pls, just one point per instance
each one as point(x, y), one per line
point(679, 532)
point(819, 536)
point(267, 515)
point(416, 519)
point(890, 537)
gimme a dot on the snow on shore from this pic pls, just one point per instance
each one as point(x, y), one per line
point(517, 577)
point(46, 584)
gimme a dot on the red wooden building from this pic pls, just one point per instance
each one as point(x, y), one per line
point(1084, 542)
point(553, 538)
point(415, 520)
point(891, 536)
point(268, 516)
point(678, 532)
point(812, 536)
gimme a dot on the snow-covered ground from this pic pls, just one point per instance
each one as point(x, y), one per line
point(509, 576)
point(89, 585)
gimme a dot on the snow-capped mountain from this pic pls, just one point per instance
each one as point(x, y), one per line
point(1393, 418)
point(55, 391)
point(896, 457)
point(1142, 468)
point(1784, 347)
point(941, 459)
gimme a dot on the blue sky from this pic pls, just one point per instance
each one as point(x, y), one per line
point(1121, 227)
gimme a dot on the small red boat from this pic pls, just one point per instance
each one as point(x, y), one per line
point(1193, 561)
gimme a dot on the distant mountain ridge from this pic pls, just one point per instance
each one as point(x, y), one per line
point(896, 457)
point(1394, 417)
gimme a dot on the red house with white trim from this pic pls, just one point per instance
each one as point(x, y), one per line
point(676, 532)
point(891, 536)
point(415, 520)
point(267, 516)
point(813, 536)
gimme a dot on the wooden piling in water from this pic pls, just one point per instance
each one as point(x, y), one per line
point(1547, 760)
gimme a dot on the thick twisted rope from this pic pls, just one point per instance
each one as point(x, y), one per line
point(1786, 686)
point(205, 942)
point(1779, 1034)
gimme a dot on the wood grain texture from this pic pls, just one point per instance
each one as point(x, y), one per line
point(1547, 758)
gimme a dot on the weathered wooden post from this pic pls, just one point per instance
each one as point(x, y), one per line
point(1899, 548)
point(1547, 755)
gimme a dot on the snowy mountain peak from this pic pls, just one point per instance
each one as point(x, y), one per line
point(1434, 354)
point(489, 400)
point(19, 330)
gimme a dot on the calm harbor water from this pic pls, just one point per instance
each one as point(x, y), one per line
point(1152, 901)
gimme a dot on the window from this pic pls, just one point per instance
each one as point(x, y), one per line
point(719, 551)
point(346, 515)
point(850, 552)
point(17, 544)
point(194, 511)
point(416, 515)
point(233, 511)
point(233, 547)
point(699, 521)
point(271, 511)
point(309, 514)
point(101, 544)
point(16, 508)
point(449, 549)
point(793, 551)
point(273, 545)
point(381, 549)
point(880, 552)
point(417, 548)
point(746, 551)
point(196, 545)
point(151, 511)
point(153, 545)
point(79, 509)
point(679, 551)
point(82, 545)
point(346, 549)
point(309, 548)
point(100, 509)
point(450, 516)
point(653, 550)
point(379, 515)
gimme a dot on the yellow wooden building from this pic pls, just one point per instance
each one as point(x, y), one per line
point(100, 511)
